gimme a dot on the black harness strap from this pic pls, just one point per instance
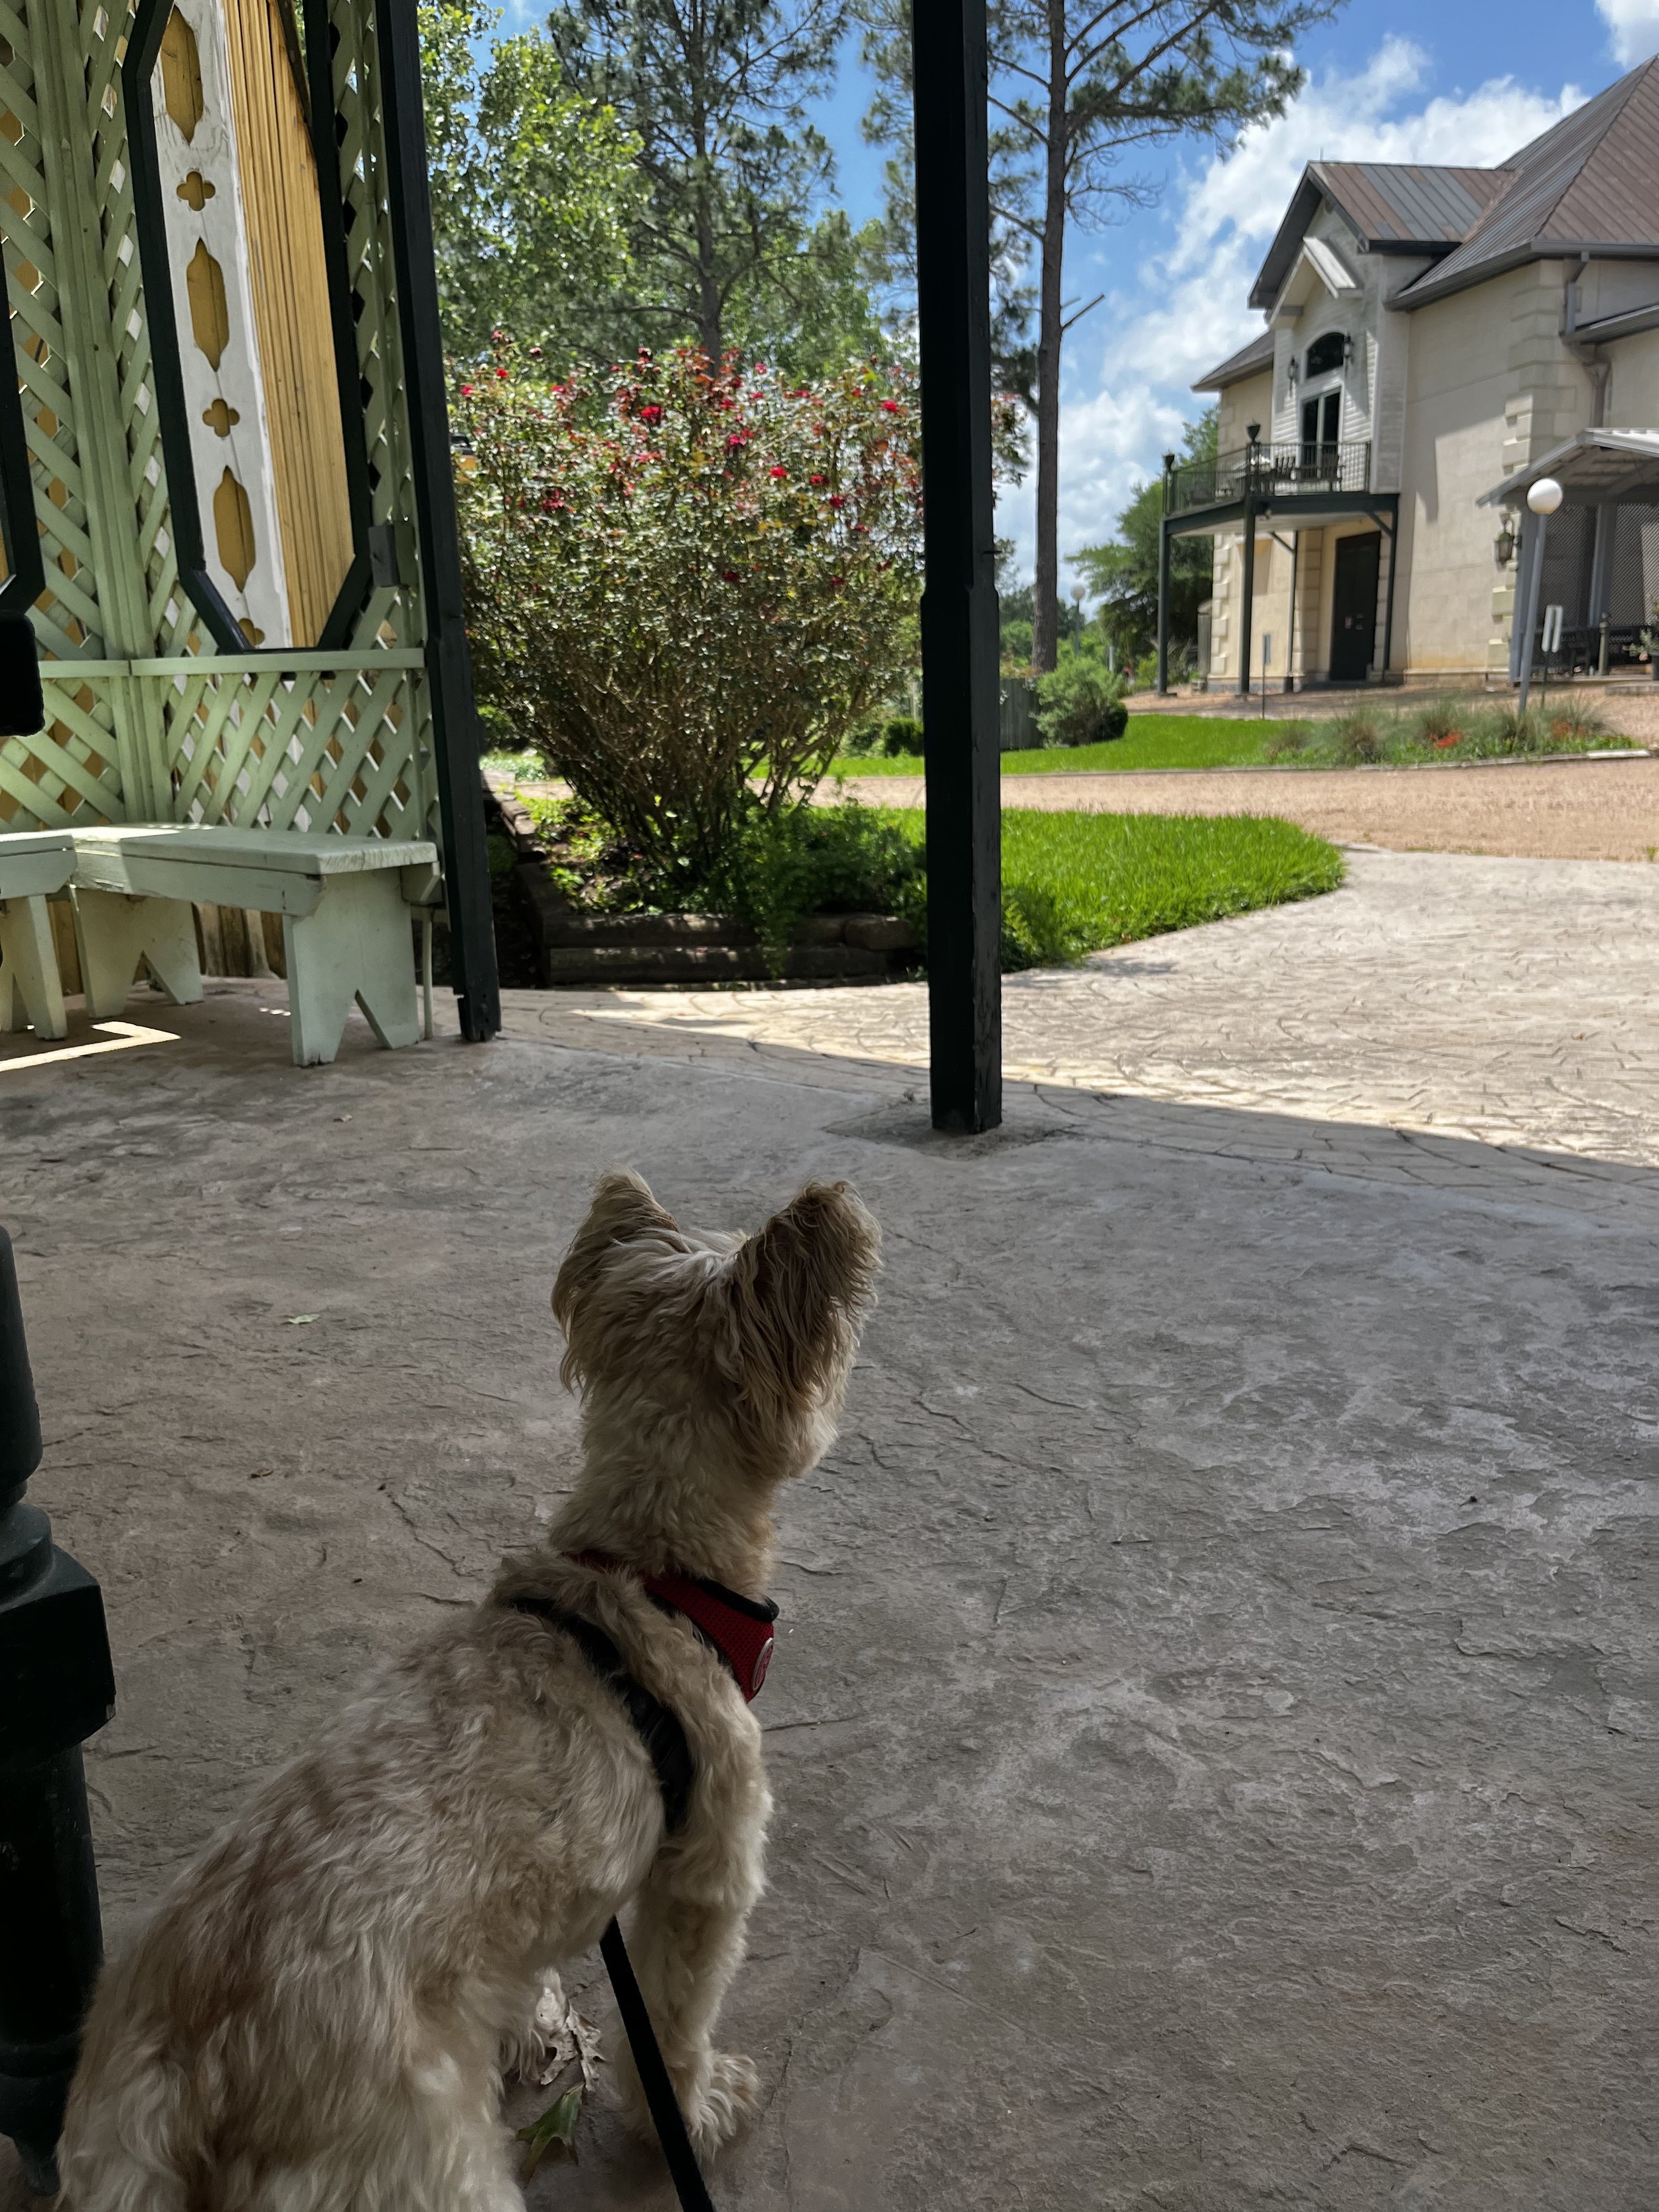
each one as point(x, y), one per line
point(658, 1728)
point(660, 1732)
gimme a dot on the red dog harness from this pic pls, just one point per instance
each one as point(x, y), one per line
point(739, 1628)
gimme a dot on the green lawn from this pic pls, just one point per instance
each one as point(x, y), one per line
point(1073, 884)
point(1149, 741)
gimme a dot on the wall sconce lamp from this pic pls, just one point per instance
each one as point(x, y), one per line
point(1291, 373)
point(1503, 544)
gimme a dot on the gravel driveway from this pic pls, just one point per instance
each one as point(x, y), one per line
point(1582, 810)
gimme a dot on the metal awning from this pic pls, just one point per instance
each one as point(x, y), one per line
point(1591, 467)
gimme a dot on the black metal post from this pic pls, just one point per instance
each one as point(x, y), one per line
point(1388, 617)
point(454, 714)
point(56, 1689)
point(959, 616)
point(1248, 609)
point(1164, 580)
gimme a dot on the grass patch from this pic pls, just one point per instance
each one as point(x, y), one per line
point(522, 766)
point(1444, 731)
point(1075, 884)
point(1149, 741)
point(1439, 731)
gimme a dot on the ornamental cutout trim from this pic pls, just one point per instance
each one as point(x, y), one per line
point(261, 424)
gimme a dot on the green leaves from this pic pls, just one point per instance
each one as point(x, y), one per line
point(556, 2131)
point(533, 185)
point(1079, 702)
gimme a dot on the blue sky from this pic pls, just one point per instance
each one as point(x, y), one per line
point(1464, 82)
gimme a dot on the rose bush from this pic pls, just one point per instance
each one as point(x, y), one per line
point(684, 586)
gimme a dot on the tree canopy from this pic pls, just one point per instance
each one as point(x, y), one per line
point(731, 239)
point(533, 186)
point(644, 172)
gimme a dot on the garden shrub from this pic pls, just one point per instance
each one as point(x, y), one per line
point(778, 868)
point(1081, 701)
point(903, 734)
point(1358, 740)
point(775, 870)
point(1465, 727)
point(686, 584)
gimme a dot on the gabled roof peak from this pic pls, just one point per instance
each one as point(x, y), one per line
point(1589, 181)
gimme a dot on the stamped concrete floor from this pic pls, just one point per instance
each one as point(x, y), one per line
point(1216, 1722)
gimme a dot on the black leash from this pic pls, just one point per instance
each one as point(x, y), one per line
point(664, 1738)
point(683, 2167)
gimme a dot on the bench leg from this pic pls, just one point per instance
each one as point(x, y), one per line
point(116, 932)
point(357, 945)
point(31, 995)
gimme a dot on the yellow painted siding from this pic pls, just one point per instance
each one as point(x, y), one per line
point(289, 279)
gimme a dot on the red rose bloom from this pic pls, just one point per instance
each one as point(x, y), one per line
point(467, 391)
point(777, 472)
point(835, 500)
point(500, 376)
point(889, 407)
point(818, 480)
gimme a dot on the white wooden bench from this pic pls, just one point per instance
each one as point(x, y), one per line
point(33, 865)
point(344, 903)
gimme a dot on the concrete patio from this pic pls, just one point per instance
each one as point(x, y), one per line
point(1214, 1726)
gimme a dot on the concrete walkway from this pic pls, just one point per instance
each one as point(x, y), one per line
point(1584, 810)
point(1214, 1724)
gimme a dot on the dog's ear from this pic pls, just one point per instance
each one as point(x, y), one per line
point(623, 1211)
point(799, 1290)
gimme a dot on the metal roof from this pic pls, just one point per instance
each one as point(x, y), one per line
point(1590, 182)
point(1248, 360)
point(1590, 466)
point(1392, 206)
point(1403, 205)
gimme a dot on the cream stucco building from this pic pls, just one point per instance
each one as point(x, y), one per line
point(1435, 339)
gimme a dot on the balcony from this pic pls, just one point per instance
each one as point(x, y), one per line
point(1272, 472)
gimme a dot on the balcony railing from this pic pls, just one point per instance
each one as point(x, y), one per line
point(1271, 472)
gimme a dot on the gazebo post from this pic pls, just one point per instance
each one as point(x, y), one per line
point(959, 612)
point(56, 1689)
point(454, 712)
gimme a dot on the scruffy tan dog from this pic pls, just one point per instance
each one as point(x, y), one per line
point(315, 2021)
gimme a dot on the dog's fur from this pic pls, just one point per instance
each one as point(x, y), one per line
point(315, 2020)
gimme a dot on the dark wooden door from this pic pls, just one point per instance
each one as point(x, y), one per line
point(1353, 606)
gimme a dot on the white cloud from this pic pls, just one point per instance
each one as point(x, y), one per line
point(1185, 309)
point(1634, 25)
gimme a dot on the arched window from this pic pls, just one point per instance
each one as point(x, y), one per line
point(1327, 353)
